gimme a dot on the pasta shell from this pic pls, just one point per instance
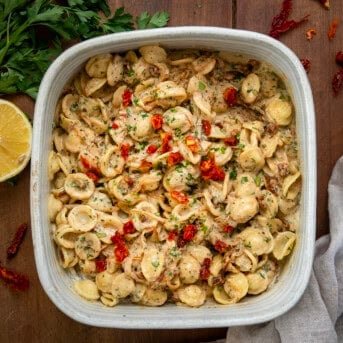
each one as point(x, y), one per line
point(138, 293)
point(289, 189)
point(217, 265)
point(258, 241)
point(109, 300)
point(189, 269)
point(115, 70)
point(204, 66)
point(86, 289)
point(79, 186)
point(284, 242)
point(94, 84)
point(104, 281)
point(193, 295)
point(87, 246)
point(54, 206)
point(279, 111)
point(153, 54)
point(243, 209)
point(251, 159)
point(67, 257)
point(250, 88)
point(122, 286)
point(97, 65)
point(236, 286)
point(152, 264)
point(111, 163)
point(154, 297)
point(82, 218)
point(65, 236)
point(258, 282)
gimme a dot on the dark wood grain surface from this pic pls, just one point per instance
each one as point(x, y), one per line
point(30, 316)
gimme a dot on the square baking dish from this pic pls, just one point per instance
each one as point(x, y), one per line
point(293, 280)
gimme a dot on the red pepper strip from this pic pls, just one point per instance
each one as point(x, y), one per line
point(16, 281)
point(90, 168)
point(121, 252)
point(339, 58)
point(205, 269)
point(17, 240)
point(333, 29)
point(174, 158)
point(306, 64)
point(166, 137)
point(220, 246)
point(127, 98)
point(337, 81)
point(209, 170)
point(281, 24)
point(228, 228)
point(115, 126)
point(92, 176)
point(192, 143)
point(100, 265)
point(206, 125)
point(129, 227)
point(189, 232)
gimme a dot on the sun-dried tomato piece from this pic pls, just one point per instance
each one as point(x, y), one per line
point(230, 96)
point(192, 143)
point(339, 58)
point(126, 97)
point(171, 236)
point(205, 269)
point(16, 281)
point(271, 184)
point(92, 176)
point(174, 158)
point(128, 227)
point(206, 126)
point(114, 126)
point(220, 246)
point(121, 252)
point(281, 24)
point(145, 166)
point(100, 265)
point(310, 33)
point(333, 29)
point(189, 232)
point(166, 137)
point(157, 121)
point(231, 141)
point(130, 181)
point(152, 148)
point(117, 238)
point(209, 170)
point(181, 242)
point(17, 240)
point(179, 196)
point(124, 151)
point(228, 228)
point(306, 64)
point(337, 81)
point(95, 170)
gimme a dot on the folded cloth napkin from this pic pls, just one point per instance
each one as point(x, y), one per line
point(317, 317)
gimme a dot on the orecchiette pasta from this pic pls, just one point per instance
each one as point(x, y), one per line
point(174, 177)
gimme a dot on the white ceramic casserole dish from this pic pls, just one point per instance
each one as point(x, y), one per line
point(292, 282)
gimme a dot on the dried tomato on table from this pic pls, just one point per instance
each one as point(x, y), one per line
point(333, 29)
point(17, 240)
point(281, 24)
point(205, 269)
point(339, 58)
point(306, 64)
point(16, 281)
point(337, 81)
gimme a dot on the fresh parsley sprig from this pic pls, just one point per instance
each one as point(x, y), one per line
point(25, 55)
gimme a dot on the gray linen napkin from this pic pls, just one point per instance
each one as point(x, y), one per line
point(317, 317)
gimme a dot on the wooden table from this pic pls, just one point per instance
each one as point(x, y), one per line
point(30, 316)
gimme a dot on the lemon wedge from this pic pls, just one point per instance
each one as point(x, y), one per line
point(15, 140)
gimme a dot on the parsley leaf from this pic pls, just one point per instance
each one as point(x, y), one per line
point(158, 19)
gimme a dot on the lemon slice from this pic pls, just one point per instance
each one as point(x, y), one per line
point(15, 140)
